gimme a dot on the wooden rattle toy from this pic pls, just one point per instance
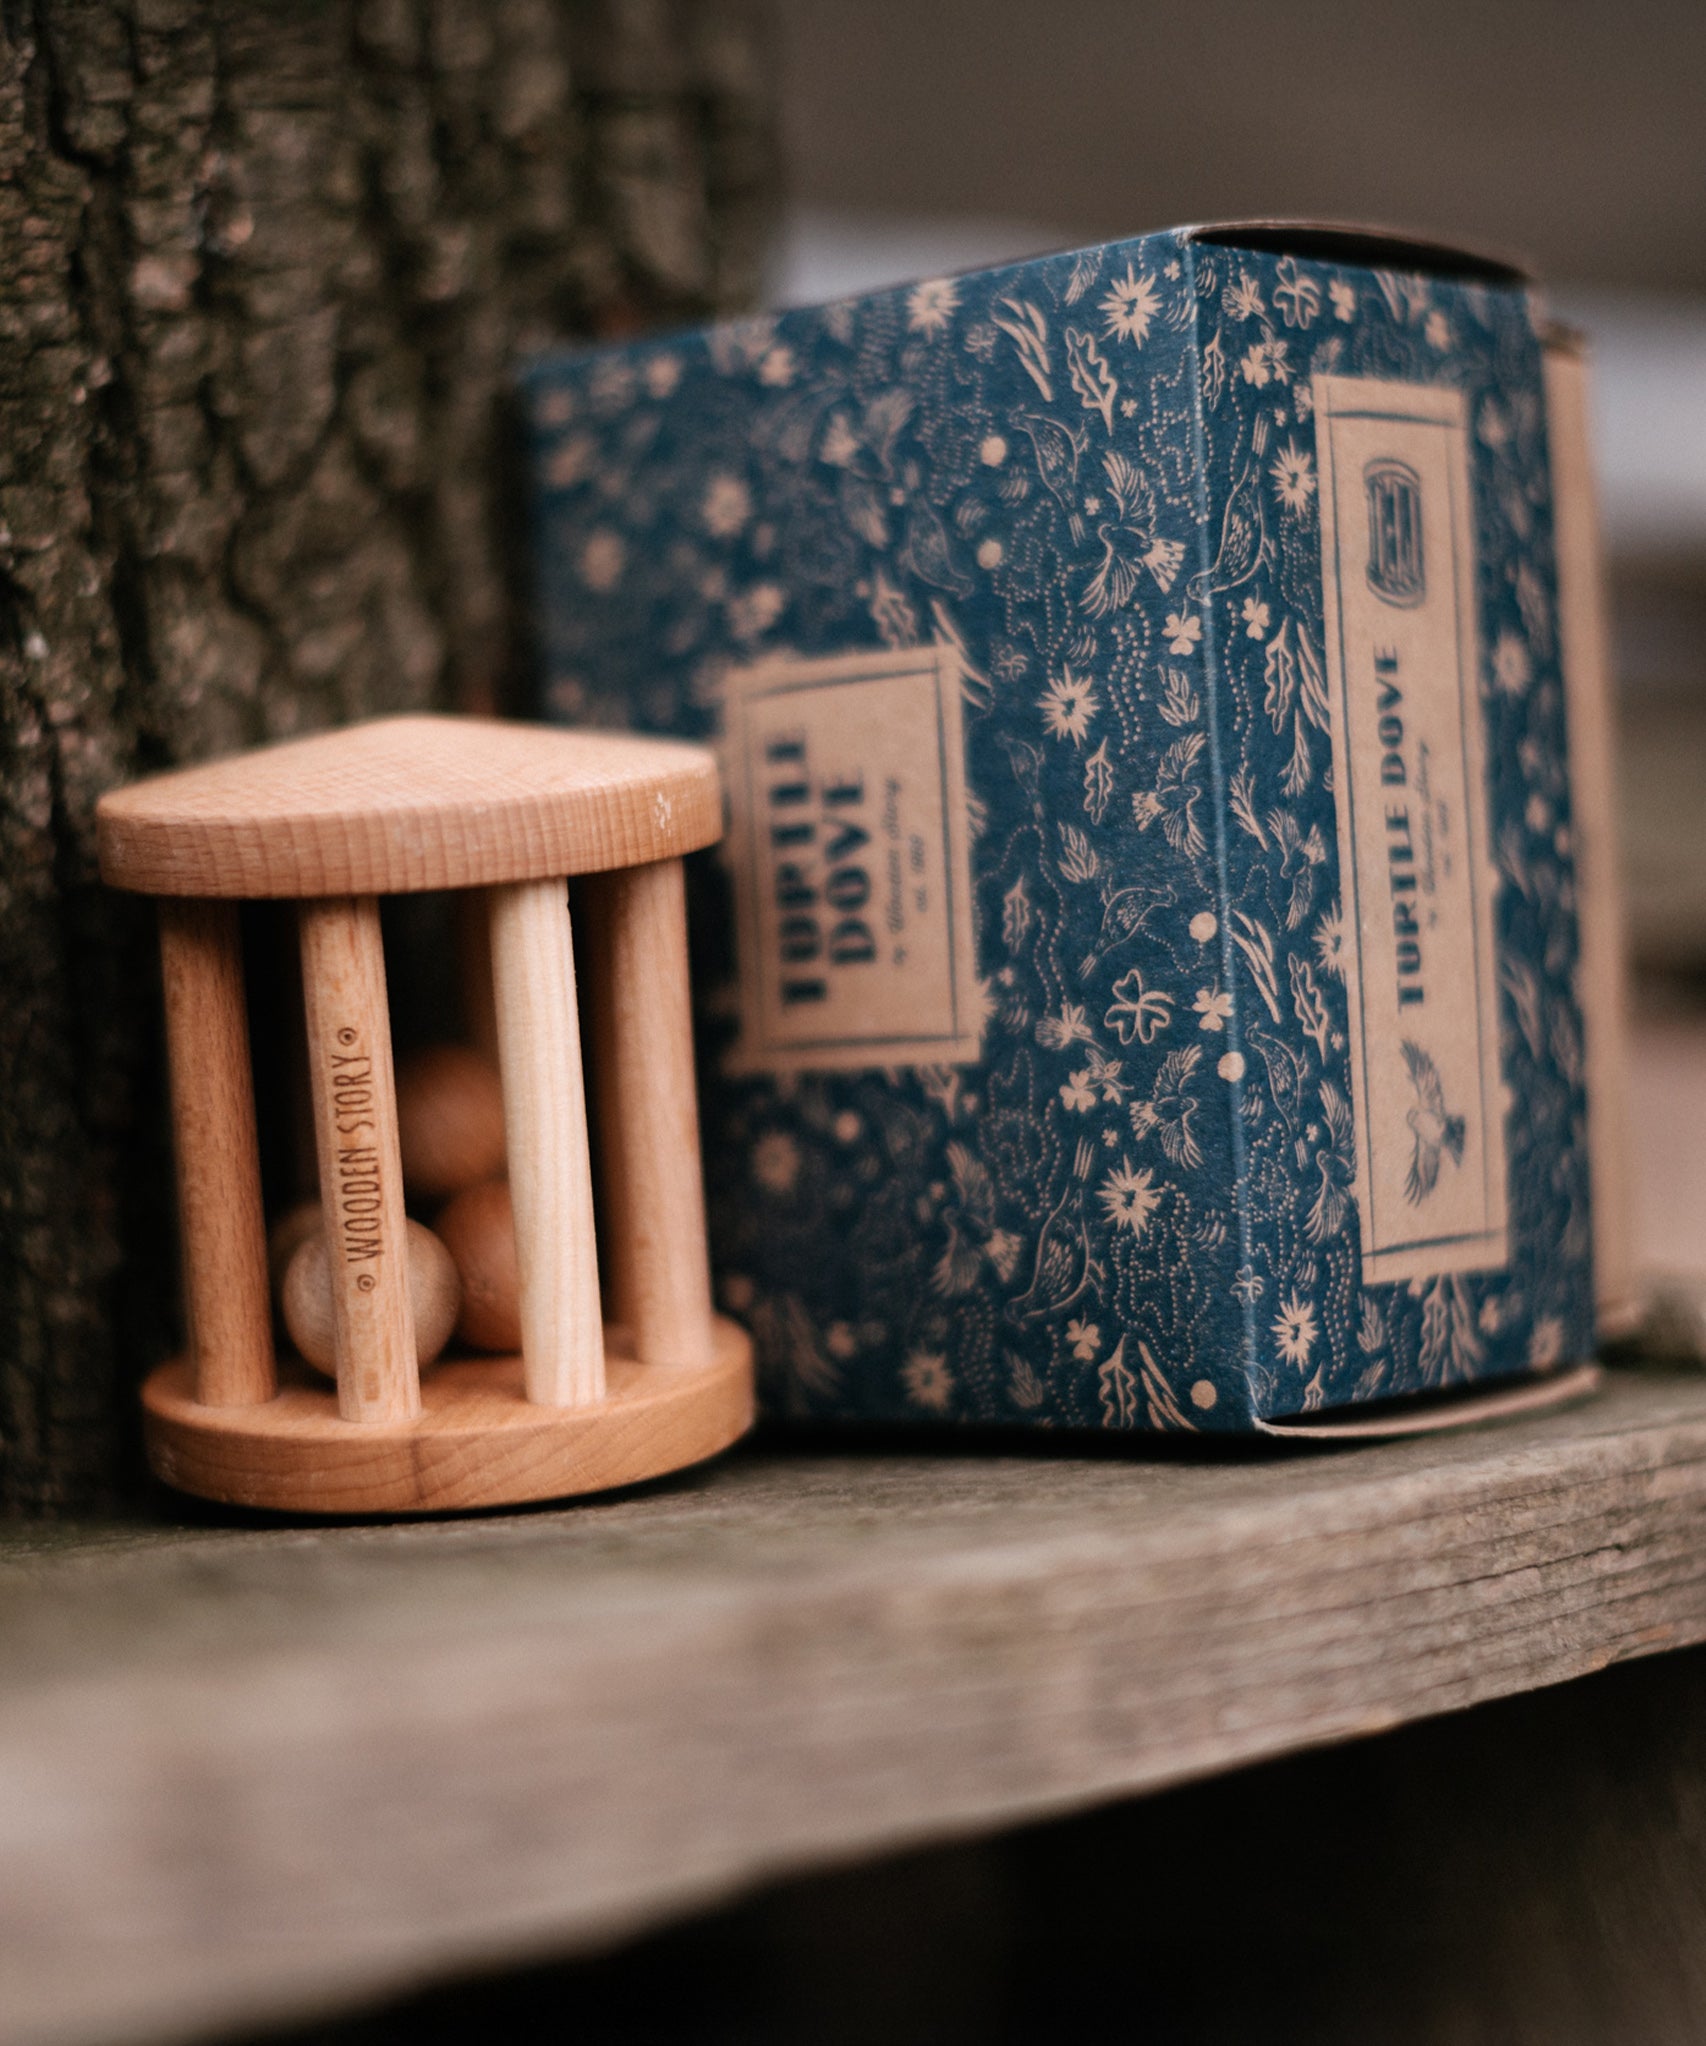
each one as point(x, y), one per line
point(335, 821)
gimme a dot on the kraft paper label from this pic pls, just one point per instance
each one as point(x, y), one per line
point(1410, 788)
point(851, 864)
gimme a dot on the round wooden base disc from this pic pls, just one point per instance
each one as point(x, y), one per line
point(478, 1442)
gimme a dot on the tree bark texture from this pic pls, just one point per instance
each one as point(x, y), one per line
point(264, 266)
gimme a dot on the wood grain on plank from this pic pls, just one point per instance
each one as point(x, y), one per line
point(786, 1661)
point(403, 804)
point(223, 1232)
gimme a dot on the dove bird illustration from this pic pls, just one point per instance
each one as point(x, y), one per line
point(1434, 1128)
point(1244, 544)
point(928, 552)
point(972, 1234)
point(1174, 797)
point(1064, 1266)
point(1301, 852)
point(1129, 542)
point(1169, 1109)
point(1057, 452)
point(1124, 913)
point(1335, 1161)
point(1026, 761)
point(1286, 1073)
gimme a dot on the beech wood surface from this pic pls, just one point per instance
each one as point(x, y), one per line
point(361, 1172)
point(256, 1773)
point(403, 804)
point(222, 1228)
point(478, 1441)
point(550, 1168)
point(653, 1208)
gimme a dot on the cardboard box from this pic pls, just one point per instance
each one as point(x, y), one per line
point(1139, 989)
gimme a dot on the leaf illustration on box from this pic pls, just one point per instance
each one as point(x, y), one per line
point(1094, 382)
point(1117, 1388)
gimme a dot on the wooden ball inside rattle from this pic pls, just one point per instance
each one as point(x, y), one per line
point(450, 1120)
point(478, 1230)
point(288, 1233)
point(305, 1298)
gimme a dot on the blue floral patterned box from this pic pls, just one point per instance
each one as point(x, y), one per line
point(1138, 983)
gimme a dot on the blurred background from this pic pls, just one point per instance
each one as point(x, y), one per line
point(1569, 133)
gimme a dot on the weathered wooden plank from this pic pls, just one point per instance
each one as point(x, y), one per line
point(245, 1773)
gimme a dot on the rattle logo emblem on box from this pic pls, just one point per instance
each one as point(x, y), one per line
point(851, 863)
point(1410, 786)
point(1395, 569)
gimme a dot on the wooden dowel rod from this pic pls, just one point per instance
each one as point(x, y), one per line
point(550, 1173)
point(219, 1167)
point(361, 1172)
point(654, 1208)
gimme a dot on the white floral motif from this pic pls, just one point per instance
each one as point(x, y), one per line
point(840, 447)
point(1183, 632)
point(1085, 1338)
point(1513, 667)
point(928, 1381)
point(1131, 304)
point(776, 1162)
point(727, 506)
point(1137, 1011)
point(1214, 1007)
point(567, 464)
point(778, 369)
point(1344, 300)
point(930, 305)
point(752, 612)
point(1068, 707)
point(1330, 942)
point(1293, 471)
point(1130, 1198)
point(602, 560)
point(1256, 618)
point(1294, 1329)
point(1077, 1093)
point(1055, 1033)
point(662, 374)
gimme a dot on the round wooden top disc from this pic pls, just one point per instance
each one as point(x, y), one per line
point(410, 803)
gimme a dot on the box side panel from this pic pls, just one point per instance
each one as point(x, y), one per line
point(1401, 923)
point(919, 561)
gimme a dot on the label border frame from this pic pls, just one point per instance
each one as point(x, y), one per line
point(1443, 408)
point(751, 1054)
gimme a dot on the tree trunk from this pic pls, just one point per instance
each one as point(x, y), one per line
point(266, 264)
